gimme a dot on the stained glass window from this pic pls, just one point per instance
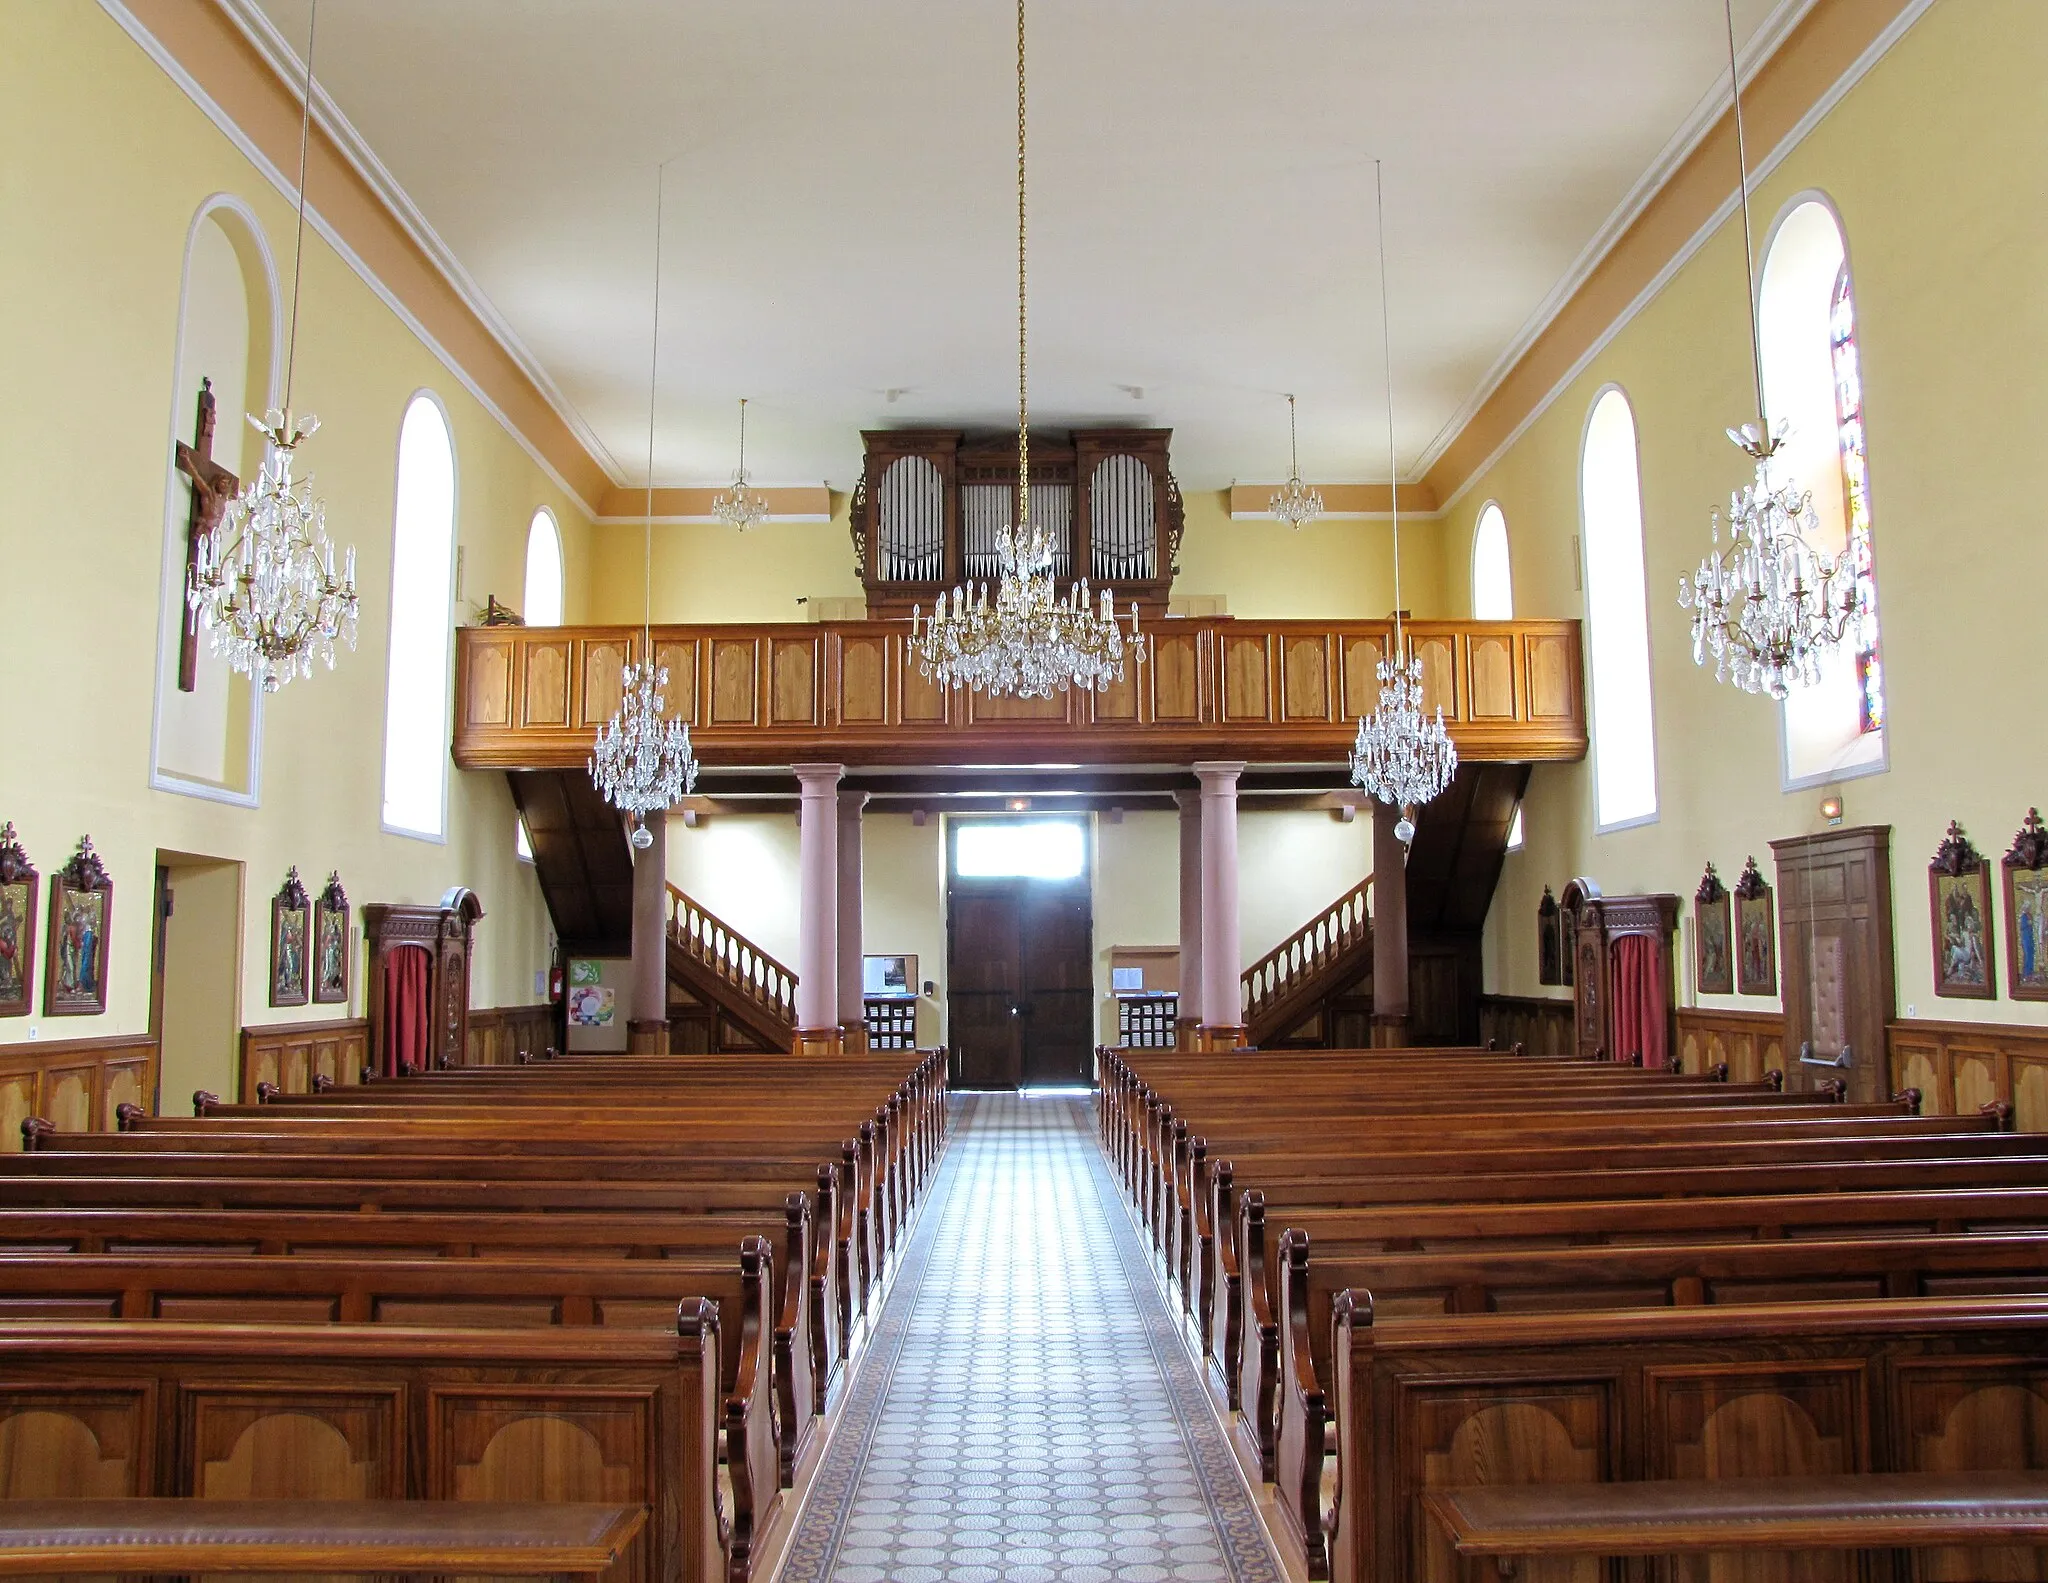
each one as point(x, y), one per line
point(1856, 498)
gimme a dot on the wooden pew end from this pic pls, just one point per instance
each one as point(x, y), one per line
point(33, 1131)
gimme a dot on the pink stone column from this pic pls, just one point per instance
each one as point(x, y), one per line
point(647, 1018)
point(1190, 917)
point(817, 953)
point(1222, 973)
point(853, 1024)
point(1389, 930)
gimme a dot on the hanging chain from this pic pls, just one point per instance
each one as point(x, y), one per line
point(1756, 359)
point(743, 436)
point(653, 369)
point(1293, 448)
point(1023, 403)
point(1379, 204)
point(291, 360)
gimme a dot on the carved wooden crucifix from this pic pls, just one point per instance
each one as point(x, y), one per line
point(213, 486)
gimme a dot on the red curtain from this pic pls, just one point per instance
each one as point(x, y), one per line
point(407, 1006)
point(1636, 1000)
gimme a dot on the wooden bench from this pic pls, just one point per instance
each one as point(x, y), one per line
point(1667, 1517)
point(55, 1538)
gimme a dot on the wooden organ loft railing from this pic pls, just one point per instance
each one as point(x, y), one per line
point(737, 962)
point(1293, 967)
point(930, 503)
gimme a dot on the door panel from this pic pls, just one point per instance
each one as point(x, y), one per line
point(1058, 984)
point(1020, 982)
point(982, 978)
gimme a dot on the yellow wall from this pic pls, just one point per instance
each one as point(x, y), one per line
point(108, 162)
point(1329, 569)
point(1933, 162)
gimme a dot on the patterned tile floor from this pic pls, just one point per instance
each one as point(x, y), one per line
point(1027, 1413)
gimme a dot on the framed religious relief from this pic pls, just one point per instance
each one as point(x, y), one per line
point(1959, 903)
point(18, 882)
point(330, 945)
point(1756, 934)
point(2026, 910)
point(1712, 945)
point(1549, 941)
point(81, 912)
point(291, 931)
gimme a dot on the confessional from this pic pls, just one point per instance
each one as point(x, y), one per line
point(1624, 987)
point(417, 1003)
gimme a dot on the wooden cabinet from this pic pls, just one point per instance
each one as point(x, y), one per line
point(1835, 952)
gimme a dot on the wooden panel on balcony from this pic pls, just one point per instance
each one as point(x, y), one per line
point(1212, 687)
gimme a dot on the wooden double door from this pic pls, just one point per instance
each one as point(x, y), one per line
point(1020, 982)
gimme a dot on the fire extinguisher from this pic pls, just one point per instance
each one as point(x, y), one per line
point(557, 984)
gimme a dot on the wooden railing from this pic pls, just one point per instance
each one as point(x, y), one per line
point(739, 963)
point(850, 691)
point(1292, 965)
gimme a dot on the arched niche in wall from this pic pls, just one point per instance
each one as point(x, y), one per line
point(206, 739)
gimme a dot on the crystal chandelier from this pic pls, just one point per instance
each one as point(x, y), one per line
point(263, 582)
point(742, 506)
point(1772, 606)
point(642, 761)
point(1294, 503)
point(1027, 640)
point(1402, 757)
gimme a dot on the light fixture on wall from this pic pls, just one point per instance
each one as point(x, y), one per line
point(1772, 606)
point(642, 761)
point(1294, 503)
point(1402, 756)
point(1831, 809)
point(741, 506)
point(1027, 641)
point(263, 582)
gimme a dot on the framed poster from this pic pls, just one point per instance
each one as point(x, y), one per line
point(81, 913)
point(291, 930)
point(1756, 934)
point(18, 882)
point(1713, 949)
point(330, 945)
point(888, 975)
point(1549, 941)
point(2026, 910)
point(1959, 905)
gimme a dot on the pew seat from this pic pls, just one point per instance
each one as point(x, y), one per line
point(49, 1538)
point(1662, 1517)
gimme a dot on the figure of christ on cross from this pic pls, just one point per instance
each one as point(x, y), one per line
point(213, 486)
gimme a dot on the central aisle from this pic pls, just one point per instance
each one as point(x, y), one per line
point(1027, 1413)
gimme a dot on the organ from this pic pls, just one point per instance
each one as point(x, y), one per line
point(930, 503)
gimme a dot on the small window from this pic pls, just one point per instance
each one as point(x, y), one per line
point(1020, 849)
point(422, 626)
point(1493, 587)
point(1617, 618)
point(543, 571)
point(1515, 830)
point(522, 843)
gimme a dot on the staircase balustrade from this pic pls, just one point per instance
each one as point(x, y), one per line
point(737, 961)
point(1291, 966)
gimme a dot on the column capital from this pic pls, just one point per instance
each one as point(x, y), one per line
point(852, 802)
point(817, 779)
point(1219, 775)
point(1188, 800)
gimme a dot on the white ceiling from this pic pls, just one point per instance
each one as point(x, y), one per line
point(840, 220)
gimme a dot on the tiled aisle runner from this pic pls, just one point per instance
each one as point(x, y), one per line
point(1028, 1413)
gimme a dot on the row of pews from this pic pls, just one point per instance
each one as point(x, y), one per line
point(627, 1282)
point(1468, 1309)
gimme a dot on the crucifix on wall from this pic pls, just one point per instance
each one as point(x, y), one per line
point(213, 486)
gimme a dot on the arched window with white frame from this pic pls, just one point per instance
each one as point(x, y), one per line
point(543, 603)
point(1493, 584)
point(1617, 617)
point(416, 688)
point(1813, 385)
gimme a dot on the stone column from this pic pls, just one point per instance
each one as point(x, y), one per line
point(1190, 1021)
point(1222, 975)
point(1389, 930)
point(817, 954)
point(853, 1024)
point(647, 1020)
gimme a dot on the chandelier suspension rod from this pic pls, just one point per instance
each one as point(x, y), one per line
point(653, 369)
point(1379, 204)
point(1023, 401)
point(291, 358)
point(1756, 356)
point(1293, 444)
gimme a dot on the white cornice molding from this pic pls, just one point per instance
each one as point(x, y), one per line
point(1725, 211)
point(1762, 45)
point(290, 67)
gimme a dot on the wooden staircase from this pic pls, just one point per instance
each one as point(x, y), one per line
point(1289, 992)
point(745, 990)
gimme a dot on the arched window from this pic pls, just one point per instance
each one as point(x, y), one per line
point(422, 626)
point(543, 571)
point(1813, 384)
point(1493, 586)
point(1617, 618)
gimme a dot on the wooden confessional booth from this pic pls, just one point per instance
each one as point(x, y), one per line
point(417, 1003)
point(1624, 984)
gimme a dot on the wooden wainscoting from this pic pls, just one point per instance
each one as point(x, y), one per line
point(74, 1083)
point(1543, 1025)
point(1751, 1042)
point(497, 1036)
point(289, 1054)
point(1958, 1066)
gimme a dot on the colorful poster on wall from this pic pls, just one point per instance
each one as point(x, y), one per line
point(591, 1006)
point(585, 971)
